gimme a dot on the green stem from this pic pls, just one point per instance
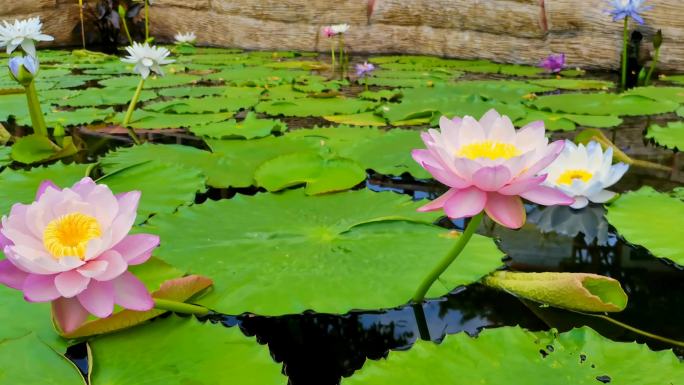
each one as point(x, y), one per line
point(332, 53)
point(449, 258)
point(37, 119)
point(342, 55)
point(147, 20)
point(638, 331)
point(131, 108)
point(365, 82)
point(653, 66)
point(625, 35)
point(80, 12)
point(180, 307)
point(122, 16)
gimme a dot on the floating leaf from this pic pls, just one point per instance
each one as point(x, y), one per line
point(34, 148)
point(671, 136)
point(315, 107)
point(667, 94)
point(359, 249)
point(321, 174)
point(362, 119)
point(604, 104)
point(156, 120)
point(648, 218)
point(573, 291)
point(182, 351)
point(574, 84)
point(100, 97)
point(131, 82)
point(249, 128)
point(579, 357)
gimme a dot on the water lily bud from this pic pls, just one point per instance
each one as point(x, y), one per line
point(23, 69)
point(572, 291)
point(658, 39)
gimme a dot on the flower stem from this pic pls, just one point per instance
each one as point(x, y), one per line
point(131, 108)
point(180, 307)
point(342, 55)
point(122, 17)
point(653, 66)
point(332, 53)
point(625, 36)
point(448, 259)
point(80, 11)
point(638, 331)
point(147, 20)
point(37, 119)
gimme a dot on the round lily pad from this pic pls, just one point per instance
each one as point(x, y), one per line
point(649, 218)
point(182, 351)
point(509, 355)
point(28, 360)
point(274, 254)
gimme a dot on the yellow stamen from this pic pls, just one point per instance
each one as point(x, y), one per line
point(69, 234)
point(570, 175)
point(489, 149)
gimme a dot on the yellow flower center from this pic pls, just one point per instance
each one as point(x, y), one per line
point(69, 234)
point(570, 175)
point(489, 149)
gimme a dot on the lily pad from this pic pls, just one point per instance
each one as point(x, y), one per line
point(249, 128)
point(672, 94)
point(579, 357)
point(604, 104)
point(157, 120)
point(648, 218)
point(362, 119)
point(574, 84)
point(359, 249)
point(101, 97)
point(183, 351)
point(671, 136)
point(315, 107)
point(321, 174)
point(131, 82)
point(211, 104)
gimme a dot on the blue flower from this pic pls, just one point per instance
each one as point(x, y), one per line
point(628, 8)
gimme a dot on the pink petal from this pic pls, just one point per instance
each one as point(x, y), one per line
point(40, 288)
point(521, 185)
point(130, 293)
point(489, 118)
point(465, 203)
point(44, 185)
point(438, 203)
point(93, 268)
point(4, 241)
point(506, 210)
point(98, 298)
point(547, 196)
point(11, 276)
point(71, 283)
point(552, 152)
point(137, 248)
point(128, 204)
point(491, 178)
point(427, 161)
point(68, 313)
point(115, 265)
point(84, 187)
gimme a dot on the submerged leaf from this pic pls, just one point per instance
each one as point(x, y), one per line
point(572, 291)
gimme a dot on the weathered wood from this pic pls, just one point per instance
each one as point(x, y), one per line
point(517, 31)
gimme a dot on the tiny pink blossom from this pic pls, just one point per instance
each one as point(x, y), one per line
point(71, 247)
point(328, 31)
point(489, 166)
point(553, 63)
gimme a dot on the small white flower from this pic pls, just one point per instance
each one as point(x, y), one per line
point(189, 38)
point(147, 58)
point(584, 173)
point(339, 28)
point(22, 33)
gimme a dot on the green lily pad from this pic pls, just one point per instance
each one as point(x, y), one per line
point(102, 97)
point(358, 249)
point(249, 128)
point(211, 104)
point(579, 357)
point(672, 94)
point(54, 117)
point(33, 148)
point(315, 107)
point(362, 119)
point(183, 351)
point(321, 174)
point(603, 104)
point(648, 218)
point(28, 360)
point(559, 121)
point(670, 136)
point(158, 120)
point(574, 84)
point(131, 82)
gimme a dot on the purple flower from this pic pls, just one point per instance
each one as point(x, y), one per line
point(554, 63)
point(364, 69)
point(628, 8)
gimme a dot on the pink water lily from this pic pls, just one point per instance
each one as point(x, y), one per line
point(71, 247)
point(489, 166)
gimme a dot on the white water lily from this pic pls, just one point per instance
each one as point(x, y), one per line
point(24, 33)
point(584, 173)
point(188, 37)
point(339, 28)
point(147, 58)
